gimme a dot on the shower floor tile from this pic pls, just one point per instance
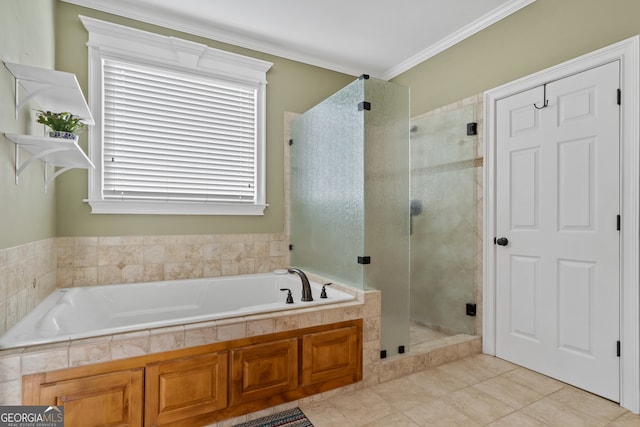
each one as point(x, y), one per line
point(419, 334)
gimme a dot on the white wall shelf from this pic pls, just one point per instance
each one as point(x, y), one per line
point(58, 152)
point(53, 90)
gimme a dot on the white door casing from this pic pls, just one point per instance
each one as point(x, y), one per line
point(627, 52)
point(557, 200)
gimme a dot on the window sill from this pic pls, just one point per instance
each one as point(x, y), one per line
point(172, 208)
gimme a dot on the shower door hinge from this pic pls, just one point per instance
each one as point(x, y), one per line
point(364, 105)
point(618, 348)
point(472, 128)
point(364, 77)
point(290, 247)
point(471, 309)
point(618, 223)
point(291, 142)
point(619, 97)
point(364, 260)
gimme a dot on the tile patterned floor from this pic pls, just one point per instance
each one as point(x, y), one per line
point(477, 391)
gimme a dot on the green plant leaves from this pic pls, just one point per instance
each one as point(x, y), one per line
point(62, 122)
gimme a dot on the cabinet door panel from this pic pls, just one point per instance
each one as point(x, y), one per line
point(177, 390)
point(113, 399)
point(264, 370)
point(331, 354)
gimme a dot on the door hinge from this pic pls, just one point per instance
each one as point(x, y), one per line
point(364, 260)
point(618, 223)
point(291, 142)
point(618, 349)
point(364, 105)
point(619, 97)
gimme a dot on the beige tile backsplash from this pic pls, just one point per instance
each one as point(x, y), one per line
point(87, 261)
point(27, 276)
point(30, 272)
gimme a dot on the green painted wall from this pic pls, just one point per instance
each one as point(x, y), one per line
point(27, 32)
point(543, 34)
point(292, 87)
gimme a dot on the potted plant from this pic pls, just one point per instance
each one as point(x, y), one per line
point(63, 125)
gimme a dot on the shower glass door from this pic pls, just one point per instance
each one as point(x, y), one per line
point(349, 194)
point(444, 164)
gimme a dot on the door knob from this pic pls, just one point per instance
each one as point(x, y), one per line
point(502, 241)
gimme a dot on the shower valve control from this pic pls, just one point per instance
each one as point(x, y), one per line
point(502, 241)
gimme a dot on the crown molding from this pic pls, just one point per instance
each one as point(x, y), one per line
point(158, 17)
point(153, 17)
point(465, 32)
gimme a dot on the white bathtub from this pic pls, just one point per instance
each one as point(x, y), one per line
point(73, 313)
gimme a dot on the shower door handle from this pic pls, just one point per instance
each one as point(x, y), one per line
point(502, 241)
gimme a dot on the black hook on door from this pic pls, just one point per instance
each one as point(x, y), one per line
point(546, 101)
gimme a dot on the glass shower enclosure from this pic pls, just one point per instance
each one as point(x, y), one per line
point(445, 168)
point(349, 196)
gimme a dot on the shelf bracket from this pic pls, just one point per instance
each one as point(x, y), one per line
point(23, 166)
point(57, 173)
point(42, 89)
point(17, 162)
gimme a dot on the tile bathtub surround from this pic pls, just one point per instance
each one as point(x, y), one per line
point(14, 363)
point(88, 261)
point(27, 276)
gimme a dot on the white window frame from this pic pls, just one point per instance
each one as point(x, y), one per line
point(113, 41)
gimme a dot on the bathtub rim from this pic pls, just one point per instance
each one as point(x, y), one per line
point(217, 319)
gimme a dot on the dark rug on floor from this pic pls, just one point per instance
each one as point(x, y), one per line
point(290, 418)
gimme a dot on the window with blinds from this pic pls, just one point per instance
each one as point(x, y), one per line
point(180, 126)
point(176, 137)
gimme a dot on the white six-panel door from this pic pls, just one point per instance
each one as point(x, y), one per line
point(557, 202)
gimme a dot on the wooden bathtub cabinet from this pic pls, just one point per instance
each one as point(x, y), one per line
point(261, 371)
point(200, 385)
point(331, 356)
point(107, 399)
point(183, 389)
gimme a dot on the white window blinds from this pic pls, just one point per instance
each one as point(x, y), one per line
point(177, 137)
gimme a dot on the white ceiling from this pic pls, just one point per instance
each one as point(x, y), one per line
point(382, 38)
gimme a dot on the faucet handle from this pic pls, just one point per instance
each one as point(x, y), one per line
point(289, 296)
point(323, 294)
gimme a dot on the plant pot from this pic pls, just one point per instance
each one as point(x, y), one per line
point(63, 135)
